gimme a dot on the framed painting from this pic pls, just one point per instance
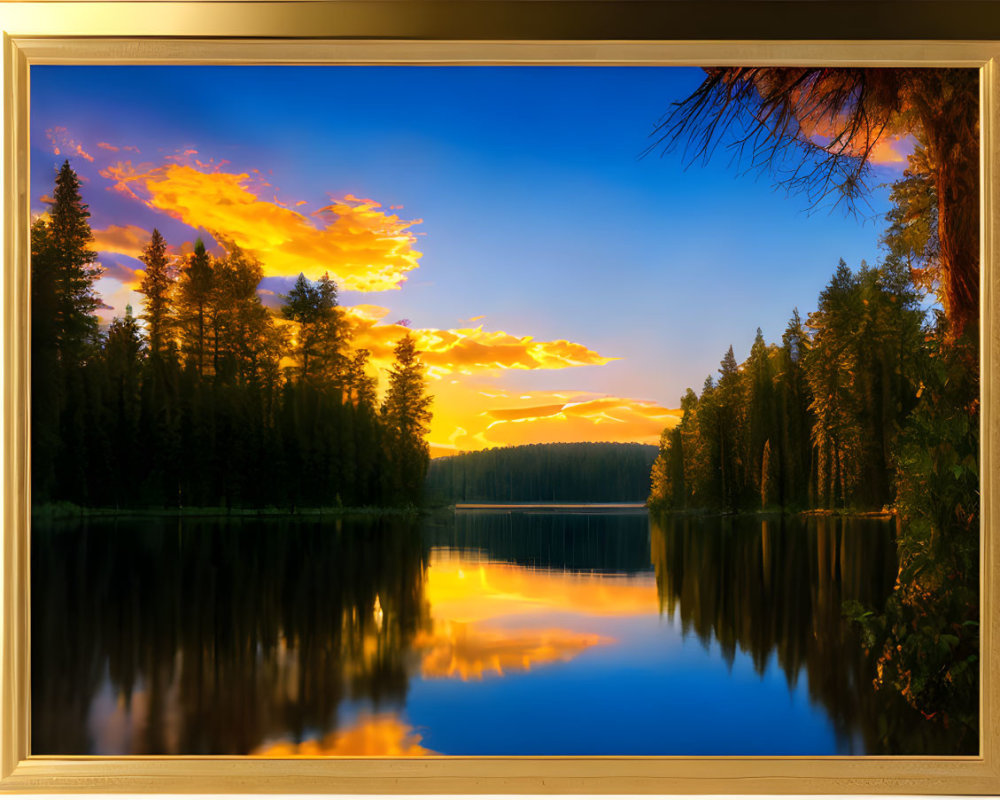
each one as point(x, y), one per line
point(356, 428)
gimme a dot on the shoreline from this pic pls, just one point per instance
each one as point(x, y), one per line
point(68, 511)
point(780, 512)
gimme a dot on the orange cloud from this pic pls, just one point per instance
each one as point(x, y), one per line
point(889, 148)
point(106, 146)
point(892, 149)
point(471, 416)
point(372, 735)
point(465, 350)
point(62, 143)
point(129, 240)
point(362, 247)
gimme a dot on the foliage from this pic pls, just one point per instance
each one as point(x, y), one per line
point(879, 410)
point(321, 329)
point(63, 325)
point(406, 415)
point(927, 638)
point(188, 405)
point(812, 422)
point(817, 130)
point(156, 283)
point(604, 472)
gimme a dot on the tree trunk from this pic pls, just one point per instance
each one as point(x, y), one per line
point(949, 112)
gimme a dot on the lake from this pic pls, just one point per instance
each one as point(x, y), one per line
point(483, 632)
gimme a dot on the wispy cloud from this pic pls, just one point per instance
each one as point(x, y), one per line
point(62, 144)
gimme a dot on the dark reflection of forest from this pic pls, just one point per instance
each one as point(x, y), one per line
point(776, 588)
point(578, 542)
point(225, 633)
point(214, 637)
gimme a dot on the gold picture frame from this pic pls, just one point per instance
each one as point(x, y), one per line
point(484, 32)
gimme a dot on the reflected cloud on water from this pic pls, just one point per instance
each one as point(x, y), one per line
point(282, 639)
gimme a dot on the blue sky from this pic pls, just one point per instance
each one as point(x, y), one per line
point(536, 212)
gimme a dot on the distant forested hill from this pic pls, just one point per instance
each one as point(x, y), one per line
point(597, 472)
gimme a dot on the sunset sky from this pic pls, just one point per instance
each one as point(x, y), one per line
point(561, 287)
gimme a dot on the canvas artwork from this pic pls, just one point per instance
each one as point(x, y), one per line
point(548, 410)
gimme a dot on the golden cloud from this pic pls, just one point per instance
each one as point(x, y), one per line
point(474, 416)
point(465, 350)
point(106, 146)
point(129, 240)
point(360, 246)
point(372, 735)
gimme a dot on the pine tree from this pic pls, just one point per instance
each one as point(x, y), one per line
point(406, 413)
point(156, 284)
point(63, 323)
point(794, 399)
point(246, 344)
point(729, 430)
point(196, 285)
point(73, 269)
point(320, 337)
point(124, 351)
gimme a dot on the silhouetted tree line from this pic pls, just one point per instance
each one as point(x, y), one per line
point(812, 422)
point(562, 472)
point(206, 399)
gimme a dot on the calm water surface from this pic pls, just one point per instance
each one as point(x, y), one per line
point(482, 633)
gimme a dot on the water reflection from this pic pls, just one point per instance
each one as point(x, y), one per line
point(775, 589)
point(496, 618)
point(212, 637)
point(372, 735)
point(569, 542)
point(478, 633)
